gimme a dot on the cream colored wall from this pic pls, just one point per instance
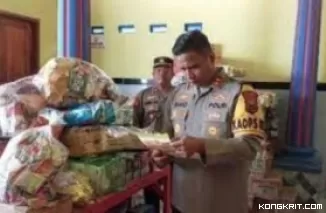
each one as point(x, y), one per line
point(255, 34)
point(46, 12)
point(322, 56)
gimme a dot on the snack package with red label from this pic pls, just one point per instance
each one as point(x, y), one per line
point(20, 101)
point(27, 165)
point(70, 81)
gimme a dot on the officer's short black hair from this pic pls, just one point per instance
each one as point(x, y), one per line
point(191, 41)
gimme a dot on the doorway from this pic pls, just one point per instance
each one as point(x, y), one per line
point(19, 46)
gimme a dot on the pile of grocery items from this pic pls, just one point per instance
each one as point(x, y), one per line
point(71, 139)
point(265, 182)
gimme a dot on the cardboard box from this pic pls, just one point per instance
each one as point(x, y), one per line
point(288, 194)
point(273, 179)
point(268, 187)
point(266, 192)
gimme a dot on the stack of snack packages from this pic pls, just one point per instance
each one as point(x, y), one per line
point(97, 125)
point(30, 155)
point(69, 129)
point(265, 182)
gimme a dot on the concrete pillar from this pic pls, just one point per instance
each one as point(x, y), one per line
point(74, 29)
point(301, 155)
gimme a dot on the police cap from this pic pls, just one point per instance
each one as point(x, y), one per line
point(162, 61)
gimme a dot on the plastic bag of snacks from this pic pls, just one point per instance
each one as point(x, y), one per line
point(70, 81)
point(20, 101)
point(75, 185)
point(106, 172)
point(99, 112)
point(26, 85)
point(28, 162)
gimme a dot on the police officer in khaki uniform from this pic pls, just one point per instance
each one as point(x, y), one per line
point(146, 106)
point(217, 124)
point(147, 102)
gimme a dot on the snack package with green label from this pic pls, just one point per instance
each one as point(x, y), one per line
point(70, 81)
point(137, 164)
point(106, 173)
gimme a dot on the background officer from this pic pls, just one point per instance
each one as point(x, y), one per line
point(216, 124)
point(146, 107)
point(147, 102)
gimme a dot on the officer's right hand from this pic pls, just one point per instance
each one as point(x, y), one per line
point(159, 158)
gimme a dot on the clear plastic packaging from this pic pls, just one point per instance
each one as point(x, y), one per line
point(75, 185)
point(20, 102)
point(106, 172)
point(28, 162)
point(94, 140)
point(68, 82)
point(99, 112)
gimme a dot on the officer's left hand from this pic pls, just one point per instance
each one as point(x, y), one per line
point(189, 145)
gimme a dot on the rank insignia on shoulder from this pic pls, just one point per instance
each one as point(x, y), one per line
point(218, 82)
